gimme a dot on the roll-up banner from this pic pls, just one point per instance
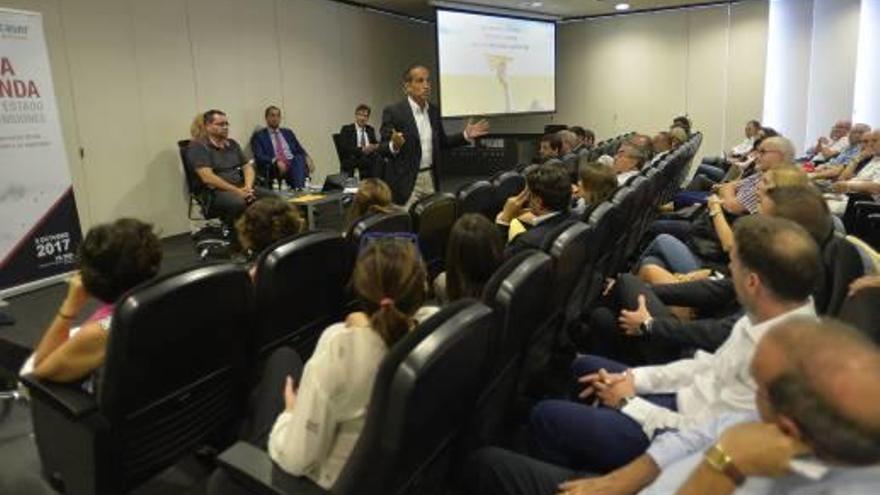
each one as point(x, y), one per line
point(39, 225)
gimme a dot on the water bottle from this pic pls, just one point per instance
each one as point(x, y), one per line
point(308, 184)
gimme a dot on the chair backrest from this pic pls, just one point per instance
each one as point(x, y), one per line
point(396, 221)
point(477, 197)
point(433, 217)
point(193, 183)
point(842, 263)
point(567, 245)
point(298, 289)
point(508, 184)
point(517, 292)
point(425, 389)
point(175, 367)
point(337, 143)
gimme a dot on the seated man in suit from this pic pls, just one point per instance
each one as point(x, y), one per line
point(546, 198)
point(358, 144)
point(223, 169)
point(278, 152)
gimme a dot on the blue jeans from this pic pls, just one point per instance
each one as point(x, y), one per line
point(670, 253)
point(584, 437)
point(678, 228)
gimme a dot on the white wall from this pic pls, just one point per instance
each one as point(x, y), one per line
point(131, 75)
point(636, 72)
point(811, 66)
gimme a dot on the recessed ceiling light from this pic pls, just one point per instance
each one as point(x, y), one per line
point(621, 6)
point(536, 4)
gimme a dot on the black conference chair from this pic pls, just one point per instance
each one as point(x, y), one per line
point(507, 184)
point(433, 217)
point(425, 389)
point(477, 197)
point(173, 379)
point(567, 245)
point(516, 294)
point(842, 264)
point(211, 239)
point(298, 287)
point(340, 153)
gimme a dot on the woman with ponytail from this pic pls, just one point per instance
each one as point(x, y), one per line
point(322, 414)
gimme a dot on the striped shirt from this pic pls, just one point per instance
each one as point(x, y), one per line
point(747, 192)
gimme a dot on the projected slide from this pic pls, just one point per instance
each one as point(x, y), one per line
point(495, 65)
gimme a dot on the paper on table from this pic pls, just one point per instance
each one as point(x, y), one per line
point(305, 198)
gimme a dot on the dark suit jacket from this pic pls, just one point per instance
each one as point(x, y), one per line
point(264, 149)
point(533, 237)
point(352, 156)
point(403, 166)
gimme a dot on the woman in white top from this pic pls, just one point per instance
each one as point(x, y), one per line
point(321, 419)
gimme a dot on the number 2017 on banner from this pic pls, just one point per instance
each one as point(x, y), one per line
point(51, 248)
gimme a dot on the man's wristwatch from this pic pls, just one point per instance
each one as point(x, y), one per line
point(646, 326)
point(720, 461)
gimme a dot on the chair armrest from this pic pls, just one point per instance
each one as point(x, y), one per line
point(254, 470)
point(864, 208)
point(68, 398)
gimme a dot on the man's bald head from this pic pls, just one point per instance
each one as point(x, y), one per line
point(830, 388)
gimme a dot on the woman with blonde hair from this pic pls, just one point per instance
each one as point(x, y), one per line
point(322, 413)
point(197, 128)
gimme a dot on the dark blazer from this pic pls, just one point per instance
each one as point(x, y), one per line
point(264, 149)
point(533, 237)
point(352, 156)
point(403, 166)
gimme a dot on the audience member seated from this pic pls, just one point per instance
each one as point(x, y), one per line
point(547, 197)
point(586, 139)
point(373, 196)
point(549, 148)
point(569, 141)
point(648, 331)
point(827, 148)
point(683, 122)
point(265, 222)
point(628, 161)
point(473, 253)
point(715, 167)
point(774, 264)
point(669, 254)
point(278, 152)
point(309, 419)
point(222, 167)
point(812, 429)
point(683, 246)
point(833, 167)
point(596, 183)
point(113, 258)
point(863, 183)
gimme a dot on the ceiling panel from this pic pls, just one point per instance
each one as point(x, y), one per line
point(560, 8)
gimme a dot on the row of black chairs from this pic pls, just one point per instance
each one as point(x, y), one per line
point(184, 350)
point(209, 328)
